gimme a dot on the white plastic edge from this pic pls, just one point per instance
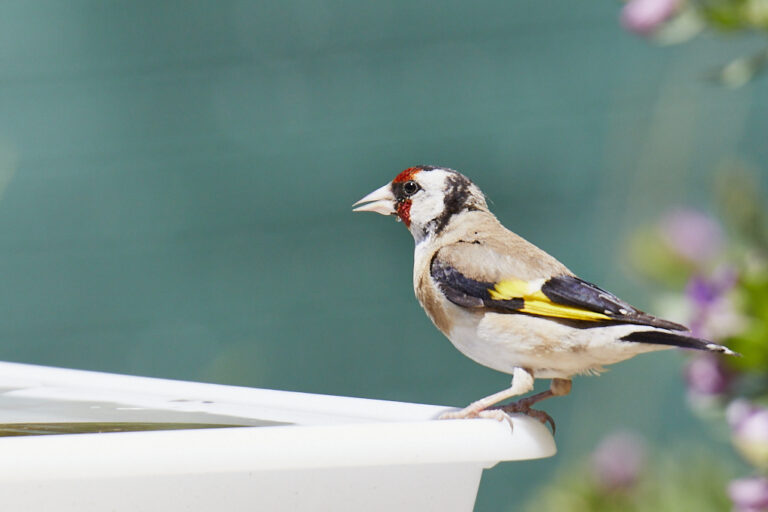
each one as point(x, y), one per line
point(330, 431)
point(484, 442)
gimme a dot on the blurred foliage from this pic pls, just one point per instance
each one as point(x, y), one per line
point(722, 284)
point(656, 260)
point(734, 14)
point(742, 206)
point(677, 21)
point(679, 482)
point(659, 252)
point(752, 342)
point(741, 202)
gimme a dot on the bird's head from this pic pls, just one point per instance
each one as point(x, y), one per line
point(425, 199)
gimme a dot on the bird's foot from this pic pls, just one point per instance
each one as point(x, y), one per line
point(524, 406)
point(470, 412)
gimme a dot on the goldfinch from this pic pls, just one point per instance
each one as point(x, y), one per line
point(507, 304)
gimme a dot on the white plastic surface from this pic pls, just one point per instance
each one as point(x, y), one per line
point(330, 453)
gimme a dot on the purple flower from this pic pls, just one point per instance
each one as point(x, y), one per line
point(692, 235)
point(749, 494)
point(707, 375)
point(706, 291)
point(702, 291)
point(618, 461)
point(644, 16)
point(749, 424)
point(713, 313)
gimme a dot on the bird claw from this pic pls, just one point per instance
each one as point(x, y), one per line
point(453, 415)
point(498, 415)
point(524, 408)
point(493, 414)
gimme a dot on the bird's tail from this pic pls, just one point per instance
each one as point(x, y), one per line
point(677, 340)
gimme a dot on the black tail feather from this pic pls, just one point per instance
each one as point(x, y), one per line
point(676, 340)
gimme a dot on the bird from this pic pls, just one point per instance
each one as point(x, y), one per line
point(507, 304)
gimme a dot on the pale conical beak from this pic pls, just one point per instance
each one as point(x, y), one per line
point(380, 201)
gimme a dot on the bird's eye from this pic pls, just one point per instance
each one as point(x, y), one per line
point(410, 188)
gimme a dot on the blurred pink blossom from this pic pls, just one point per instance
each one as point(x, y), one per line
point(754, 427)
point(738, 411)
point(714, 314)
point(706, 374)
point(749, 426)
point(644, 16)
point(749, 494)
point(694, 236)
point(618, 461)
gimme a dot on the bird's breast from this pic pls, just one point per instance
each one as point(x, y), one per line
point(434, 303)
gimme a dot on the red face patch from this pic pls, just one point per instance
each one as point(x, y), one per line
point(407, 175)
point(404, 212)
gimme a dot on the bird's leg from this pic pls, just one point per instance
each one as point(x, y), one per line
point(522, 382)
point(558, 387)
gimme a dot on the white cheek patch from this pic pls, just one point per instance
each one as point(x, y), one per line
point(429, 202)
point(425, 207)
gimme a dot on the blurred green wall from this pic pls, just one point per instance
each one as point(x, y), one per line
point(177, 179)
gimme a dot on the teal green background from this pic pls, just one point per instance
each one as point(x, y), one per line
point(177, 180)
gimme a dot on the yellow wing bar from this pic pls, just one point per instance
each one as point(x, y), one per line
point(536, 303)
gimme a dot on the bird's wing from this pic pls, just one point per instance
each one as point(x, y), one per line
point(561, 295)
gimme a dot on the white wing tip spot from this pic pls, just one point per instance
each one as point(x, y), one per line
point(714, 347)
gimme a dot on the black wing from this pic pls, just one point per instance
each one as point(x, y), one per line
point(468, 292)
point(565, 297)
point(572, 291)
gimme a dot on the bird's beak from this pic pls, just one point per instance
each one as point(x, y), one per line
point(380, 201)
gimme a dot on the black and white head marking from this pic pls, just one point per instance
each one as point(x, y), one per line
point(442, 194)
point(456, 199)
